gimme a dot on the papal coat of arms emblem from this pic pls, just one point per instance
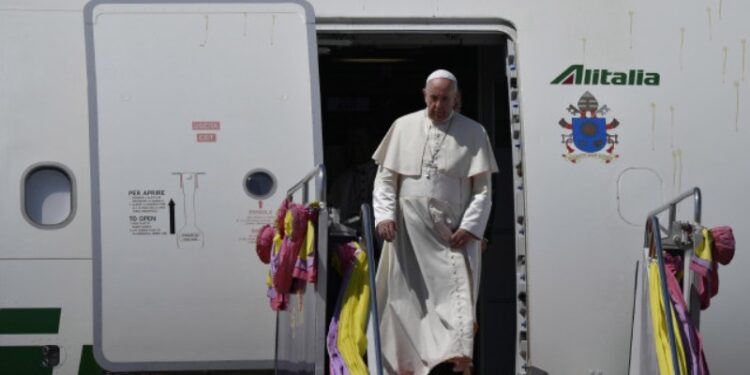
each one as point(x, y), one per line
point(590, 136)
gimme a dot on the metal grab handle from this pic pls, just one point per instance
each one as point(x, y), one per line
point(367, 225)
point(320, 185)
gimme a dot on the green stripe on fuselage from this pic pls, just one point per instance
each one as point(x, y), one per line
point(29, 321)
point(88, 365)
point(25, 360)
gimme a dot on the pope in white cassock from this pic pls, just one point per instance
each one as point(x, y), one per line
point(431, 202)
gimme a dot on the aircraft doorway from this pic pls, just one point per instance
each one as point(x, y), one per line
point(368, 80)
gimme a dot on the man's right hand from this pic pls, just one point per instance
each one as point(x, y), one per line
point(387, 230)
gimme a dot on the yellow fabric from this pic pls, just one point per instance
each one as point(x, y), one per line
point(288, 223)
point(705, 249)
point(308, 247)
point(352, 339)
point(661, 335)
point(277, 241)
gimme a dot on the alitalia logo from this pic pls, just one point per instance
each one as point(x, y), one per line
point(578, 75)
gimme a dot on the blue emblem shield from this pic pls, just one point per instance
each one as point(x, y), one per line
point(589, 134)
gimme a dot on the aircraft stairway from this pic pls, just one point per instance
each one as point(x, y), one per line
point(670, 349)
point(301, 329)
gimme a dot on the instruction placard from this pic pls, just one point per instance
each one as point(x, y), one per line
point(255, 219)
point(146, 209)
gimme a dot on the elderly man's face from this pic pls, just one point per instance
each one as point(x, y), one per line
point(440, 97)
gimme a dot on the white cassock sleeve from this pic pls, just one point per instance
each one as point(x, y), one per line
point(478, 211)
point(384, 195)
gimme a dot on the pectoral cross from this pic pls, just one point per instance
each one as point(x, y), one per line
point(430, 169)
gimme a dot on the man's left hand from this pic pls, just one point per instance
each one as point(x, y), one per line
point(461, 238)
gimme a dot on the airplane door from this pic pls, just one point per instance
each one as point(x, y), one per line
point(201, 115)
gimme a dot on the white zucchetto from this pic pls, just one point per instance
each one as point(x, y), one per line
point(442, 73)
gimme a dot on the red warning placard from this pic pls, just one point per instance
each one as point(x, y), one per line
point(206, 137)
point(206, 125)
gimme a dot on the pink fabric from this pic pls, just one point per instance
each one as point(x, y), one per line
point(288, 274)
point(299, 222)
point(280, 215)
point(282, 280)
point(714, 277)
point(306, 268)
point(264, 243)
point(691, 338)
point(722, 252)
point(278, 301)
point(336, 365)
point(289, 253)
point(702, 269)
point(723, 244)
point(707, 280)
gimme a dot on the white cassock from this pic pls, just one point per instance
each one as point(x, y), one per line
point(432, 179)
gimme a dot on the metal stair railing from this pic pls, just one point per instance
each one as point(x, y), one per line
point(367, 226)
point(302, 365)
point(320, 185)
point(653, 240)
